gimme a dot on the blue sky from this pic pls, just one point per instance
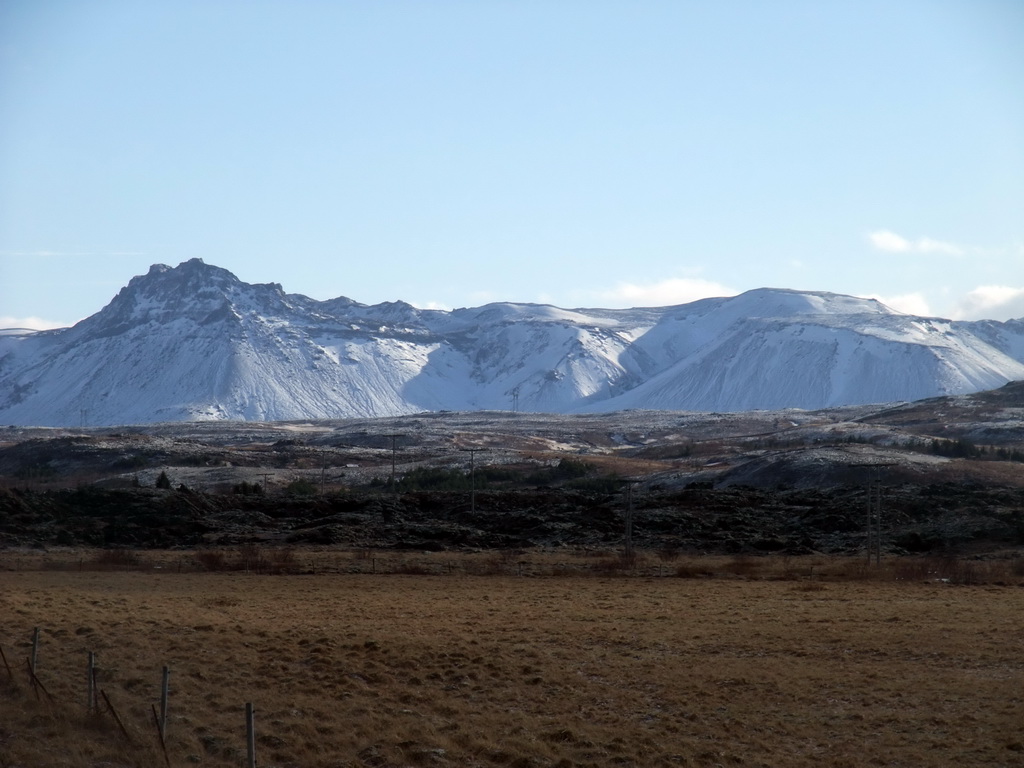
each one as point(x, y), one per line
point(455, 153)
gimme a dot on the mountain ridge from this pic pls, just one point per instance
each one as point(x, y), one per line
point(193, 342)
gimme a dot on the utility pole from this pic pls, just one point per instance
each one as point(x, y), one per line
point(394, 452)
point(874, 518)
point(515, 399)
point(873, 521)
point(472, 475)
point(628, 550)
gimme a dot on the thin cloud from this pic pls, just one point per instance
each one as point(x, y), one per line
point(884, 240)
point(927, 245)
point(907, 303)
point(890, 242)
point(677, 290)
point(431, 305)
point(44, 254)
point(991, 302)
point(31, 323)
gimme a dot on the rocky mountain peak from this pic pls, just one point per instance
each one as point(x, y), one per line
point(193, 291)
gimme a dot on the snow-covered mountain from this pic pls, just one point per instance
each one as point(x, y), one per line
point(195, 343)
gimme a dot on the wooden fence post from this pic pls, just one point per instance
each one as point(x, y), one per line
point(10, 674)
point(163, 744)
point(250, 736)
point(113, 711)
point(31, 678)
point(35, 649)
point(90, 696)
point(37, 684)
point(164, 686)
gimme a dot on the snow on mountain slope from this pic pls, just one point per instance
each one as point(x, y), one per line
point(194, 342)
point(1007, 337)
point(823, 361)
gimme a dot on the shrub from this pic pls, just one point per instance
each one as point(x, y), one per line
point(41, 472)
point(615, 566)
point(300, 486)
point(117, 559)
point(566, 469)
point(412, 569)
point(603, 484)
point(211, 559)
point(250, 558)
point(134, 461)
point(498, 475)
point(668, 553)
point(491, 566)
point(439, 479)
point(949, 569)
point(741, 565)
point(691, 570)
point(282, 561)
point(569, 468)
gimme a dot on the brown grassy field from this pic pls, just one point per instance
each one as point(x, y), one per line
point(563, 669)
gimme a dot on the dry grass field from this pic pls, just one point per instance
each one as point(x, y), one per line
point(563, 669)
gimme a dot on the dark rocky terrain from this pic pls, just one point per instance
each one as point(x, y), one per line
point(917, 518)
point(949, 470)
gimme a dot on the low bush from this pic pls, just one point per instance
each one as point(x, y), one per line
point(949, 569)
point(211, 559)
point(742, 565)
point(412, 569)
point(300, 486)
point(690, 570)
point(615, 566)
point(117, 560)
